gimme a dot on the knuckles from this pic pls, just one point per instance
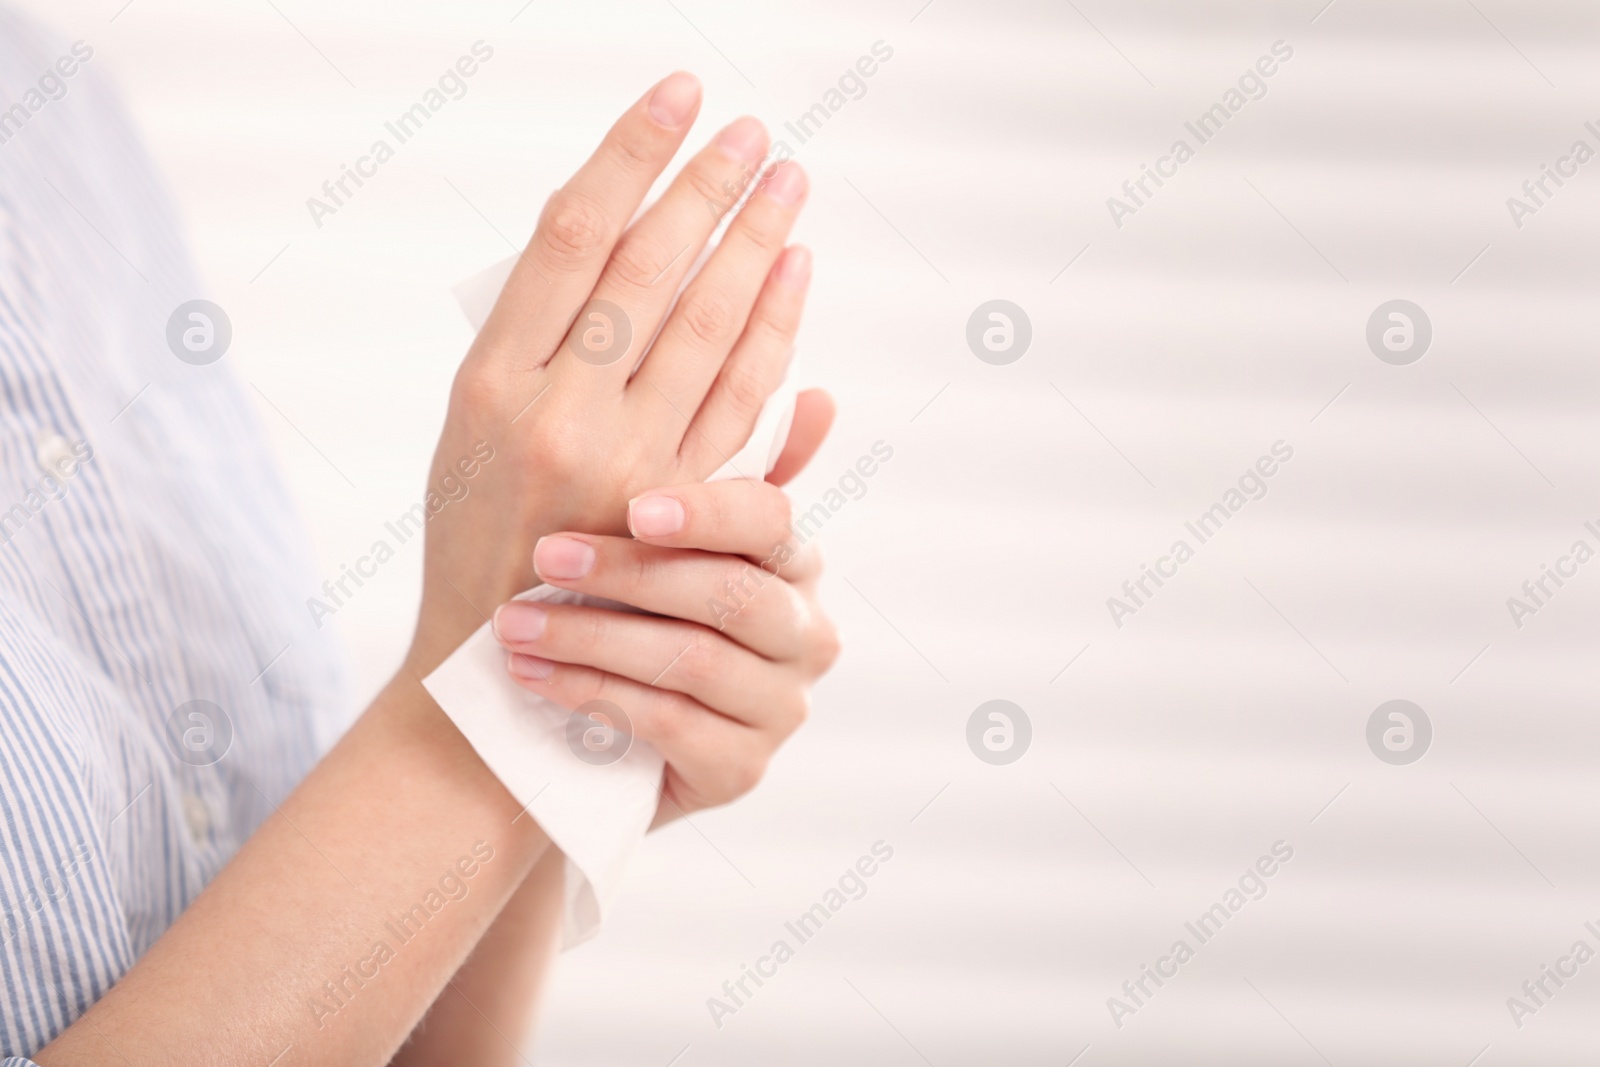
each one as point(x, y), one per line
point(574, 230)
point(708, 315)
point(765, 239)
point(669, 720)
point(744, 389)
point(701, 661)
point(579, 631)
point(744, 775)
point(637, 263)
point(704, 186)
point(799, 712)
point(777, 324)
point(634, 148)
point(780, 511)
point(826, 645)
point(790, 712)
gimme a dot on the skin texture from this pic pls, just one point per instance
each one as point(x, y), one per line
point(485, 1015)
point(719, 674)
point(277, 961)
point(574, 441)
point(717, 713)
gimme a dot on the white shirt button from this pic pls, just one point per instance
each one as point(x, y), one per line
point(198, 816)
point(54, 453)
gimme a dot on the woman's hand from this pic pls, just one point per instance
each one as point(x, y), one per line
point(549, 426)
point(402, 823)
point(719, 674)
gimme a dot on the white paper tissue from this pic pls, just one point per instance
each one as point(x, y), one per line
point(595, 813)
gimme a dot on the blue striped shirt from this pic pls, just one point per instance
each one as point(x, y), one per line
point(161, 684)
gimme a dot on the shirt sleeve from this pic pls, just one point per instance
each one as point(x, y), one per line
point(66, 756)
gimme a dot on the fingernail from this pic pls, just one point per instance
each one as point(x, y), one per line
point(530, 667)
point(562, 558)
point(744, 140)
point(655, 516)
point(787, 184)
point(795, 267)
point(674, 99)
point(519, 623)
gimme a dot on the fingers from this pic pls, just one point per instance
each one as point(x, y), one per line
point(740, 517)
point(713, 312)
point(654, 255)
point(748, 377)
point(813, 418)
point(723, 759)
point(554, 277)
point(665, 653)
point(747, 602)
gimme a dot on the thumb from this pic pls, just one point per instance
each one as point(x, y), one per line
point(813, 416)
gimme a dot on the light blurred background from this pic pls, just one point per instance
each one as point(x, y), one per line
point(1228, 313)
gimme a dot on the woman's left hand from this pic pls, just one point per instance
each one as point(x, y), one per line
point(719, 673)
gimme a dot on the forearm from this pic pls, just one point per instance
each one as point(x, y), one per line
point(337, 925)
point(300, 951)
point(486, 1013)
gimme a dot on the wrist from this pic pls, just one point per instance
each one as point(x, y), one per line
point(446, 620)
point(405, 729)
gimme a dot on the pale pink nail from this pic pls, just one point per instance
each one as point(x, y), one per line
point(787, 184)
point(530, 667)
point(519, 623)
point(655, 516)
point(795, 267)
point(562, 558)
point(743, 140)
point(674, 99)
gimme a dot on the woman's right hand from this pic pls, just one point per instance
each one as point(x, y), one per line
point(547, 389)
